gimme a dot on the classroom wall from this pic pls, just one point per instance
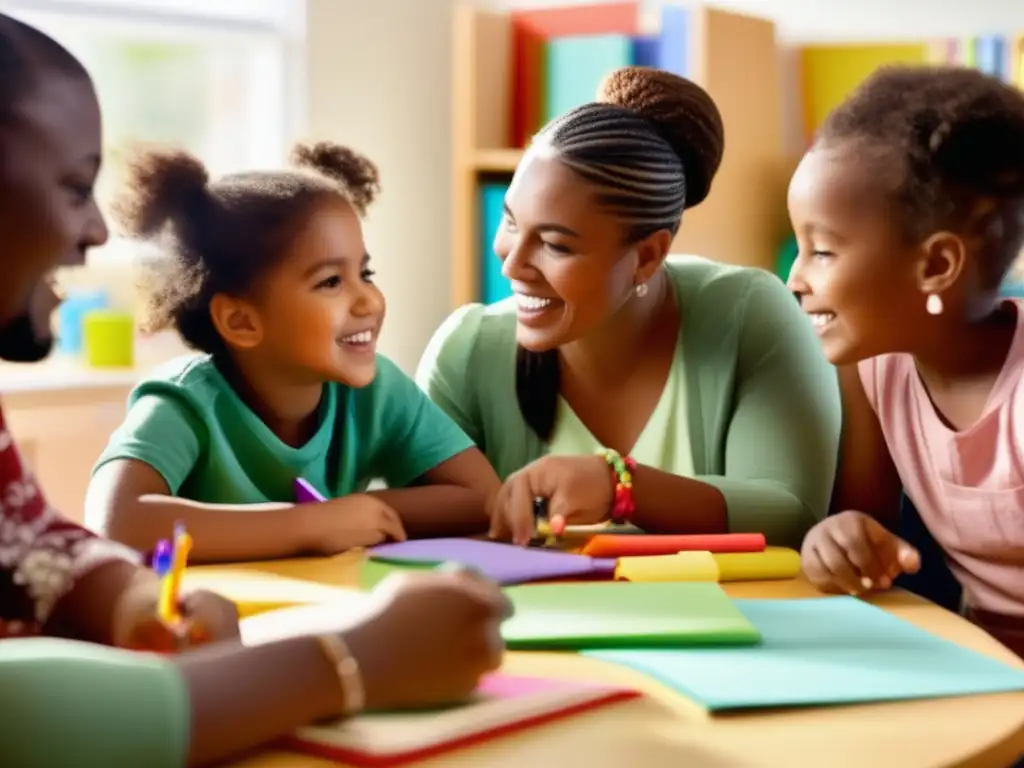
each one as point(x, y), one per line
point(379, 79)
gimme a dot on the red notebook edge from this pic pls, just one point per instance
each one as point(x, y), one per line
point(530, 28)
point(362, 760)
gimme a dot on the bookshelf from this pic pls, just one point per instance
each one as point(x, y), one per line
point(735, 57)
point(829, 73)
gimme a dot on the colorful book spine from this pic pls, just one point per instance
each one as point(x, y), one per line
point(531, 29)
point(989, 55)
point(646, 51)
point(831, 72)
point(674, 41)
point(577, 65)
point(1018, 63)
point(968, 53)
point(494, 286)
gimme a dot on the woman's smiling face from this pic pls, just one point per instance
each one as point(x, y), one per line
point(566, 257)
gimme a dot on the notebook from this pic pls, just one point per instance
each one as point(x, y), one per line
point(822, 651)
point(617, 614)
point(503, 704)
point(503, 563)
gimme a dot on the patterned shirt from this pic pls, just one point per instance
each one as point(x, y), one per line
point(42, 553)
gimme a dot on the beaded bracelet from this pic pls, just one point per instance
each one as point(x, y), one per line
point(622, 467)
point(347, 669)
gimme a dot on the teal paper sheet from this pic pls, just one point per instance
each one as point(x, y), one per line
point(821, 651)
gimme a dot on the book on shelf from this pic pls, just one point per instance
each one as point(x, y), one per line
point(494, 286)
point(560, 55)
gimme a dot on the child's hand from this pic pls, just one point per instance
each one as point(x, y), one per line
point(429, 638)
point(356, 520)
point(853, 553)
point(206, 617)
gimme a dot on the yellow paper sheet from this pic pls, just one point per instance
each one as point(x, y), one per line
point(684, 566)
point(335, 616)
point(773, 563)
point(255, 592)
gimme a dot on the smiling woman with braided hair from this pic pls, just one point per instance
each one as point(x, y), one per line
point(680, 395)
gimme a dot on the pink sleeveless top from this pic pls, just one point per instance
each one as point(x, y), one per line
point(968, 486)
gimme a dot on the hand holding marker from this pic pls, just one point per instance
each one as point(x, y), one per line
point(547, 531)
point(169, 561)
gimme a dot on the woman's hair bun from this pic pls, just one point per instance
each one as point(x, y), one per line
point(354, 173)
point(161, 186)
point(681, 112)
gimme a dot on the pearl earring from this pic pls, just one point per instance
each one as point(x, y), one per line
point(641, 290)
point(934, 304)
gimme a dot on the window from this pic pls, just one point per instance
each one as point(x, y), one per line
point(220, 78)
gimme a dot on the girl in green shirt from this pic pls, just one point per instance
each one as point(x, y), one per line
point(706, 379)
point(267, 274)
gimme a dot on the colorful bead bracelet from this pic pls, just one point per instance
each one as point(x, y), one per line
point(622, 467)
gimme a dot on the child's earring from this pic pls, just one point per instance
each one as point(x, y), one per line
point(641, 290)
point(934, 304)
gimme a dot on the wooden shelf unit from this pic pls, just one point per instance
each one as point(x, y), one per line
point(735, 57)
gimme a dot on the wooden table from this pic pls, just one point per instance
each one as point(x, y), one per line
point(666, 730)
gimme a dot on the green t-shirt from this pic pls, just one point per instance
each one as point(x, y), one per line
point(66, 703)
point(190, 426)
point(762, 402)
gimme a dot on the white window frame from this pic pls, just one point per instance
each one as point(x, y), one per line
point(275, 28)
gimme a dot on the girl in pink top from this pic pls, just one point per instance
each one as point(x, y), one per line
point(909, 211)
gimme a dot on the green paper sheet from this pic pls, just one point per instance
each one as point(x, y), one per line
point(617, 614)
point(373, 572)
point(821, 651)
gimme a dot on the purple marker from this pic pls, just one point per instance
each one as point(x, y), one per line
point(162, 556)
point(305, 493)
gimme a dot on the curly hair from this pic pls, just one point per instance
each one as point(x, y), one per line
point(651, 144)
point(221, 236)
point(957, 137)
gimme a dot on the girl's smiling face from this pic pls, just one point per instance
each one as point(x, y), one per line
point(317, 314)
point(856, 276)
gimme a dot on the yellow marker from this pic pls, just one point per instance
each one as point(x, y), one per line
point(168, 605)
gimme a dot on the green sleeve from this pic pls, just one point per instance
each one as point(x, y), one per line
point(411, 434)
point(446, 370)
point(782, 442)
point(66, 703)
point(161, 430)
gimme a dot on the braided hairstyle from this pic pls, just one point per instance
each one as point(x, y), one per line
point(651, 145)
point(221, 236)
point(957, 137)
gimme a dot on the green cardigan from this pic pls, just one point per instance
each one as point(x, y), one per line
point(66, 703)
point(763, 402)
